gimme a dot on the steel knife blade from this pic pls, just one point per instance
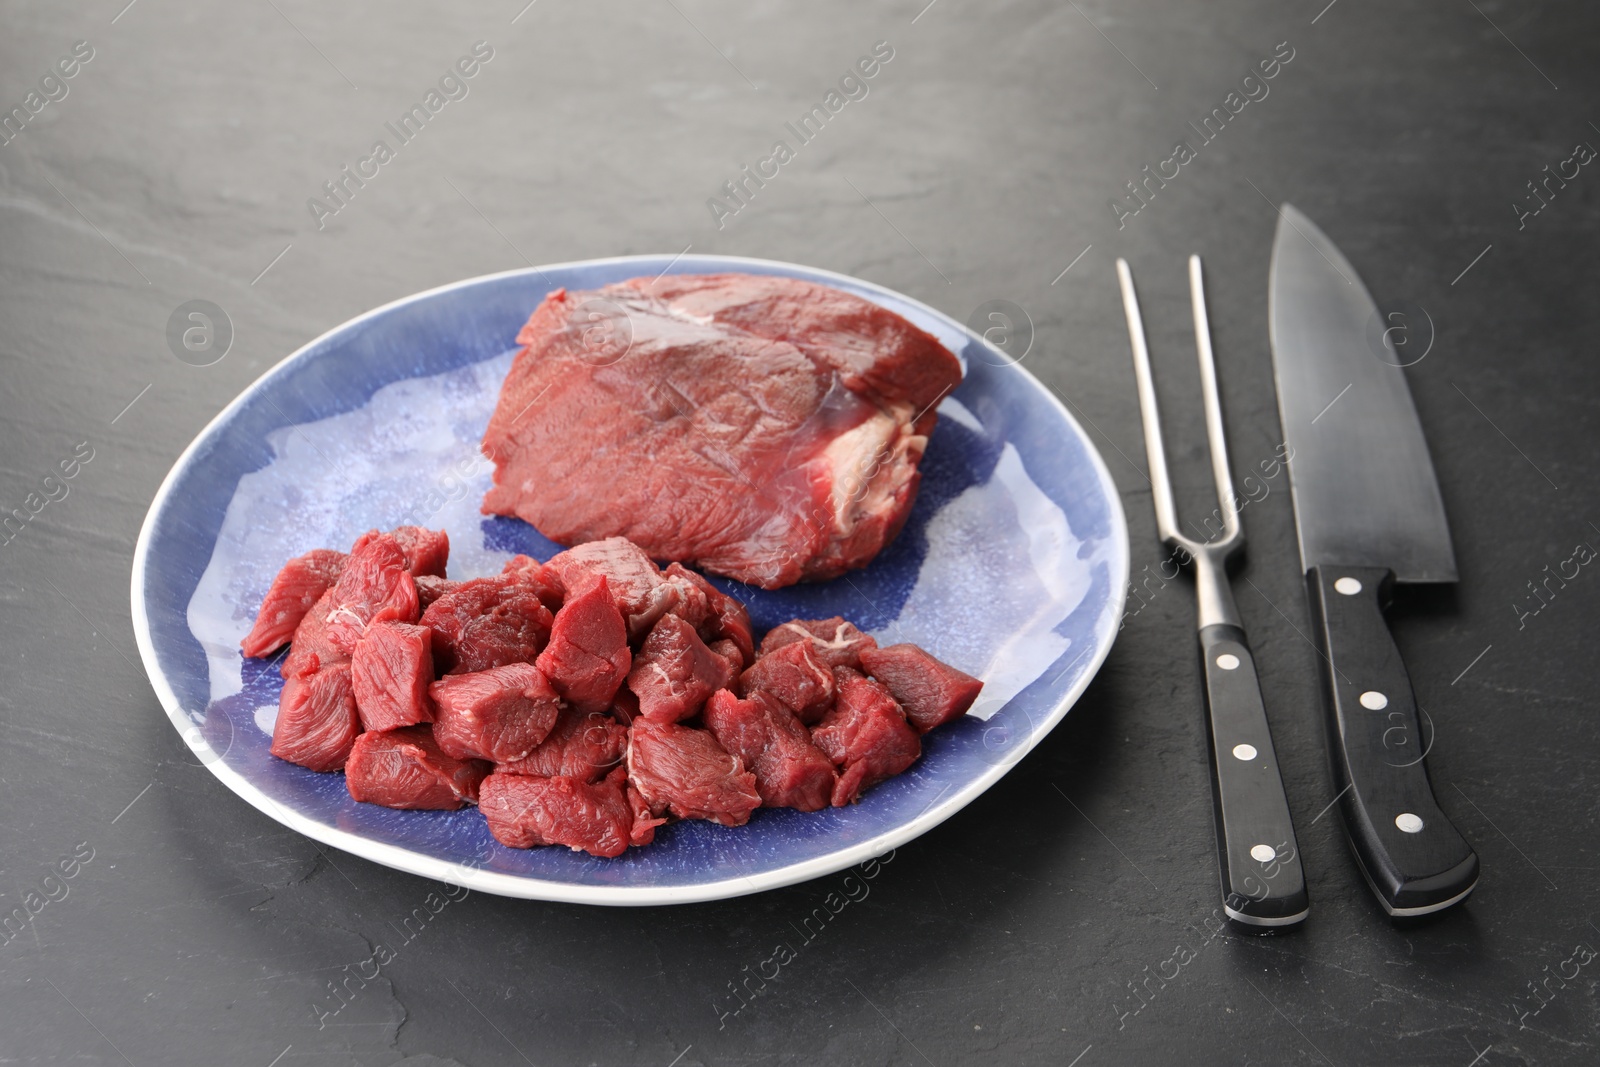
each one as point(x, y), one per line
point(1368, 513)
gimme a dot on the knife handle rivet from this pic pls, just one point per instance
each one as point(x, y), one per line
point(1374, 701)
point(1266, 853)
point(1348, 586)
point(1228, 661)
point(1408, 823)
point(1244, 752)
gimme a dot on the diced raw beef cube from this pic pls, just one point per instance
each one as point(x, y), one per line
point(532, 571)
point(931, 692)
point(642, 595)
point(294, 592)
point(795, 677)
point(431, 588)
point(790, 771)
point(390, 671)
point(317, 721)
point(644, 821)
point(592, 817)
point(426, 551)
point(487, 622)
point(373, 587)
point(523, 565)
point(866, 735)
point(310, 651)
point(684, 771)
point(730, 655)
point(674, 672)
point(499, 714)
point(588, 656)
point(625, 706)
point(584, 744)
point(690, 595)
point(405, 768)
point(837, 643)
point(726, 617)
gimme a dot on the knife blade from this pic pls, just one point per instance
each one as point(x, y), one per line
point(1368, 514)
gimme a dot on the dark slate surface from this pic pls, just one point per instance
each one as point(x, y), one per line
point(178, 166)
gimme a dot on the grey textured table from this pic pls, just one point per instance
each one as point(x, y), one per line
point(1067, 917)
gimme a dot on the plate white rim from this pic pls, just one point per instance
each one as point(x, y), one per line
point(941, 808)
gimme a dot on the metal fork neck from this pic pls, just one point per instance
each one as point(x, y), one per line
point(1212, 592)
point(1210, 558)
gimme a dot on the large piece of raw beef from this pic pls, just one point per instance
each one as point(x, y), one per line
point(761, 427)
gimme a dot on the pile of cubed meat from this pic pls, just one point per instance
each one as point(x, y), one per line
point(584, 701)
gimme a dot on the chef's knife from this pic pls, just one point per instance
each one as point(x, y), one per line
point(1369, 514)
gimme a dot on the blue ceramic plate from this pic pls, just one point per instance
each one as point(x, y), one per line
point(1011, 567)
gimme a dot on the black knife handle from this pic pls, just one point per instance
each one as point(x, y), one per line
point(1262, 880)
point(1414, 859)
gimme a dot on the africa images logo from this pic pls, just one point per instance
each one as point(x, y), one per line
point(453, 85)
point(737, 192)
point(53, 89)
point(1253, 87)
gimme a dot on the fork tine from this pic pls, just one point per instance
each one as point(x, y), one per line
point(1213, 404)
point(1160, 483)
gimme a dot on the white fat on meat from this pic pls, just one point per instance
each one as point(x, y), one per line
point(865, 463)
